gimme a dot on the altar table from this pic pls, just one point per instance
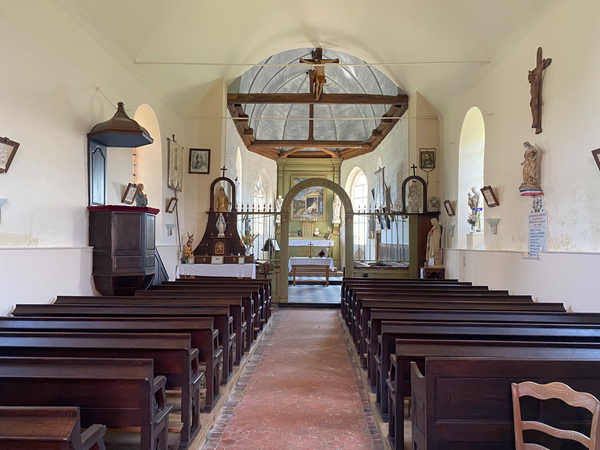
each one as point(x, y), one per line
point(317, 244)
point(311, 263)
point(217, 270)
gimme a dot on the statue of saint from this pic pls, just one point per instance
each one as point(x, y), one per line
point(141, 199)
point(433, 244)
point(221, 225)
point(530, 175)
point(337, 205)
point(222, 201)
point(474, 198)
point(278, 205)
point(414, 203)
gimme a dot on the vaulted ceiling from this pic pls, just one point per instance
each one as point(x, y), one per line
point(171, 46)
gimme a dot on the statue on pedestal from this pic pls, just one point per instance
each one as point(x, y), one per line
point(141, 199)
point(221, 225)
point(222, 201)
point(337, 205)
point(433, 244)
point(278, 205)
point(414, 202)
point(530, 172)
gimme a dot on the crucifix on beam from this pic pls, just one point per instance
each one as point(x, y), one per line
point(317, 77)
point(535, 78)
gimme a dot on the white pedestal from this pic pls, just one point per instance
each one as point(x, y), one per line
point(474, 240)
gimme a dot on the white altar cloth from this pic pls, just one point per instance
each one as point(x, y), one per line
point(217, 270)
point(316, 244)
point(297, 261)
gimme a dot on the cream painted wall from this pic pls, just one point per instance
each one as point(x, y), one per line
point(569, 177)
point(49, 103)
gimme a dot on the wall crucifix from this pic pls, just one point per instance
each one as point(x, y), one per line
point(318, 76)
point(535, 78)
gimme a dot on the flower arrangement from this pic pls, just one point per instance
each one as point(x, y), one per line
point(187, 253)
point(248, 239)
point(474, 217)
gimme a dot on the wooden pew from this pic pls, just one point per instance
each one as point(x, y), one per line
point(47, 428)
point(225, 319)
point(173, 357)
point(390, 331)
point(125, 319)
point(199, 294)
point(253, 292)
point(416, 350)
point(469, 404)
point(119, 393)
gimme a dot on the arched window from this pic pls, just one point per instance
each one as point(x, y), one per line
point(360, 202)
point(471, 158)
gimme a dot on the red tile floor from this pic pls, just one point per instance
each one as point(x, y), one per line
point(301, 391)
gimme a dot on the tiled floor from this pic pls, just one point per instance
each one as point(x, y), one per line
point(299, 392)
point(313, 293)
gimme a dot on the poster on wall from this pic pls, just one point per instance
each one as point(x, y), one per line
point(538, 228)
point(309, 204)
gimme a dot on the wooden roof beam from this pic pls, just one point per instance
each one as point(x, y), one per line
point(311, 144)
point(326, 99)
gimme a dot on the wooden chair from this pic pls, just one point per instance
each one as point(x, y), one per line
point(566, 394)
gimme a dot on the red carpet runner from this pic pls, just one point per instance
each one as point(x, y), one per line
point(302, 392)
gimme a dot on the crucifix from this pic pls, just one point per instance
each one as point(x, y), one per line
point(317, 75)
point(414, 168)
point(223, 169)
point(535, 78)
point(310, 245)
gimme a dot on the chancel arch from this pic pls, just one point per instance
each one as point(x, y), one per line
point(285, 228)
point(471, 160)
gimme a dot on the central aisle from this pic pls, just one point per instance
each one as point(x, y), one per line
point(303, 393)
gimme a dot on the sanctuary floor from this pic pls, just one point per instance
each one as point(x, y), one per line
point(301, 390)
point(314, 293)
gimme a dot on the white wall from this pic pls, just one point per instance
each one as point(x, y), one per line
point(569, 177)
point(49, 104)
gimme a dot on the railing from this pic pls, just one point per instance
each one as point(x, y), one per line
point(260, 221)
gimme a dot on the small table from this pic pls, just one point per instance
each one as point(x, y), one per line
point(433, 273)
point(217, 270)
point(311, 263)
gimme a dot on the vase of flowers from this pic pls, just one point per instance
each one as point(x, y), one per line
point(187, 255)
point(247, 241)
point(474, 218)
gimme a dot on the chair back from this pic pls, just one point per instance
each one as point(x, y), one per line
point(554, 391)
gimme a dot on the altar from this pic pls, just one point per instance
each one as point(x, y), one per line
point(297, 265)
point(217, 270)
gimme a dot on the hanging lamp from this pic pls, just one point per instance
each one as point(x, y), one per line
point(120, 131)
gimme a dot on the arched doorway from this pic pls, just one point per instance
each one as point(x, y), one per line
point(285, 228)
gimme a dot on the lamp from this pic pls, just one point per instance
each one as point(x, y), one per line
point(120, 131)
point(493, 225)
point(170, 227)
point(2, 202)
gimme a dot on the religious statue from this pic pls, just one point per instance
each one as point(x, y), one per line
point(397, 205)
point(433, 255)
point(316, 232)
point(473, 199)
point(278, 205)
point(222, 201)
point(221, 225)
point(318, 74)
point(141, 199)
point(535, 78)
point(530, 175)
point(414, 201)
point(337, 205)
point(434, 204)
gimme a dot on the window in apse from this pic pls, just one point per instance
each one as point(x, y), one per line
point(360, 199)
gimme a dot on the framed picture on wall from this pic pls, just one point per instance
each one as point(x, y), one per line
point(449, 208)
point(199, 160)
point(171, 205)
point(427, 159)
point(129, 195)
point(8, 149)
point(596, 155)
point(307, 229)
point(489, 196)
point(309, 204)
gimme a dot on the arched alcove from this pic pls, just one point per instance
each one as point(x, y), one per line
point(149, 165)
point(471, 158)
point(285, 228)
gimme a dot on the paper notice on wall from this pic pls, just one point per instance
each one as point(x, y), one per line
point(538, 228)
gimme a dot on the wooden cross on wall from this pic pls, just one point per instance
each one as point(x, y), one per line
point(536, 77)
point(223, 169)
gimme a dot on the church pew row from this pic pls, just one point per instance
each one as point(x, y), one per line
point(118, 393)
point(199, 294)
point(360, 319)
point(390, 331)
point(227, 317)
point(466, 403)
point(417, 350)
point(173, 357)
point(254, 292)
point(48, 428)
point(204, 336)
point(263, 284)
point(377, 316)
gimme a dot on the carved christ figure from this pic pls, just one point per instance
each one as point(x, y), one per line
point(530, 175)
point(535, 78)
point(319, 71)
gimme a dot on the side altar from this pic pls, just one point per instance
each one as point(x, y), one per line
point(221, 238)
